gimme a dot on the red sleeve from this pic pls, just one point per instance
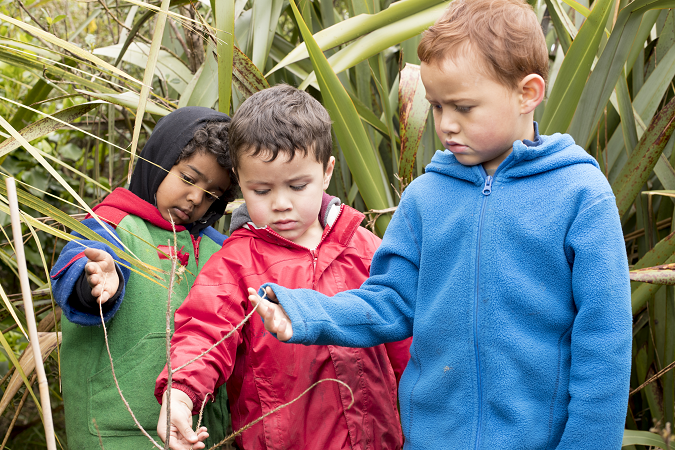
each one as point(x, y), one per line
point(399, 354)
point(211, 310)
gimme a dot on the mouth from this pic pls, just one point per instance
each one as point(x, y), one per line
point(284, 225)
point(181, 214)
point(456, 147)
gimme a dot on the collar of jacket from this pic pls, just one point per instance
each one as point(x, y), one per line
point(554, 152)
point(342, 230)
point(122, 202)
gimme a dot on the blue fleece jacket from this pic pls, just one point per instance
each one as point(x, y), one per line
point(515, 289)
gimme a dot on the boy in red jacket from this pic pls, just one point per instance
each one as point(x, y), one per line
point(288, 231)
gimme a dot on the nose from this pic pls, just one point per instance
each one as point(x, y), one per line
point(281, 202)
point(196, 196)
point(449, 123)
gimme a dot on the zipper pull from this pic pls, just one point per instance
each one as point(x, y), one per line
point(487, 189)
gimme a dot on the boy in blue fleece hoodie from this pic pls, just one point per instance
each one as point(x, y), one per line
point(505, 261)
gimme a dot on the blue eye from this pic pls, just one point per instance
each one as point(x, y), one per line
point(299, 188)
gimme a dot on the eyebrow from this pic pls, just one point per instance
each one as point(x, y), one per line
point(292, 180)
point(451, 100)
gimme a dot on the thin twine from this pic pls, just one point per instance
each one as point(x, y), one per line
point(201, 411)
point(246, 427)
point(112, 368)
point(653, 378)
point(248, 316)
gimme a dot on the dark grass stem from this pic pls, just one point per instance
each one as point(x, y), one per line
point(112, 369)
point(98, 433)
point(16, 414)
point(201, 411)
point(169, 374)
point(249, 425)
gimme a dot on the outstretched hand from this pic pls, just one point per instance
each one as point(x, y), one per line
point(183, 437)
point(274, 317)
point(101, 274)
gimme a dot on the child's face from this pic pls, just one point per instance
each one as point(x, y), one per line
point(476, 117)
point(285, 195)
point(185, 203)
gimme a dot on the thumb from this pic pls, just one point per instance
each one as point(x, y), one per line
point(95, 254)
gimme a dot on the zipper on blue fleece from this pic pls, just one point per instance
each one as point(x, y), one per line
point(487, 190)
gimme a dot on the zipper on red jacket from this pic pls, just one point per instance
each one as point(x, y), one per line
point(195, 244)
point(314, 253)
point(487, 190)
point(315, 256)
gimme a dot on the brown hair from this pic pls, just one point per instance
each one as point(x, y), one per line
point(281, 119)
point(212, 139)
point(505, 33)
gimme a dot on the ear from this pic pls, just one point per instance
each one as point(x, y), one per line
point(532, 89)
point(328, 173)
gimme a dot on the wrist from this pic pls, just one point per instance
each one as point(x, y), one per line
point(179, 396)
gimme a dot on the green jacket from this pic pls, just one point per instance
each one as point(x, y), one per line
point(136, 335)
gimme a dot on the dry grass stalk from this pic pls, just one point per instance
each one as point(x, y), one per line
point(30, 316)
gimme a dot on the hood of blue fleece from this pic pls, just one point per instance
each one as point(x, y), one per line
point(554, 152)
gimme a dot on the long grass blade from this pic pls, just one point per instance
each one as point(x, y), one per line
point(574, 71)
point(147, 82)
point(69, 47)
point(381, 39)
point(224, 14)
point(358, 26)
point(643, 159)
point(348, 128)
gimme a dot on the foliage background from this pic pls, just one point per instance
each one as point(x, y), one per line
point(91, 63)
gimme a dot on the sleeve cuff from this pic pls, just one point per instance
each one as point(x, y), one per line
point(82, 300)
point(196, 401)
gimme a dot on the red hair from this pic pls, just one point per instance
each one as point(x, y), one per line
point(505, 33)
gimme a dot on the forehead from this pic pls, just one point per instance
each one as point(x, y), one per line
point(458, 76)
point(281, 168)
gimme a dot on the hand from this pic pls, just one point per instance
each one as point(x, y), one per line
point(100, 268)
point(274, 317)
point(182, 435)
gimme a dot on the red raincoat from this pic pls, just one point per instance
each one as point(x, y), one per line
point(263, 373)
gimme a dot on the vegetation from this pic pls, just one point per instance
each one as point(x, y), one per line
point(83, 83)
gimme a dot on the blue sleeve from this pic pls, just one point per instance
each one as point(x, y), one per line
point(70, 266)
point(381, 311)
point(602, 331)
point(212, 234)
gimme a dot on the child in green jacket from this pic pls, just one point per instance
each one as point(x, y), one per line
point(184, 175)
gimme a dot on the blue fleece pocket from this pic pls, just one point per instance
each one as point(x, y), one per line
point(136, 371)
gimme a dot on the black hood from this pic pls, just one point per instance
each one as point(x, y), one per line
point(171, 134)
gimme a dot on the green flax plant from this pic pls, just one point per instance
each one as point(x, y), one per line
point(83, 84)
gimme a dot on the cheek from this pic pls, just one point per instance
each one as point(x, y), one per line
point(257, 210)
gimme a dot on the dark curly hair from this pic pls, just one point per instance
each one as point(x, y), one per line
point(212, 139)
